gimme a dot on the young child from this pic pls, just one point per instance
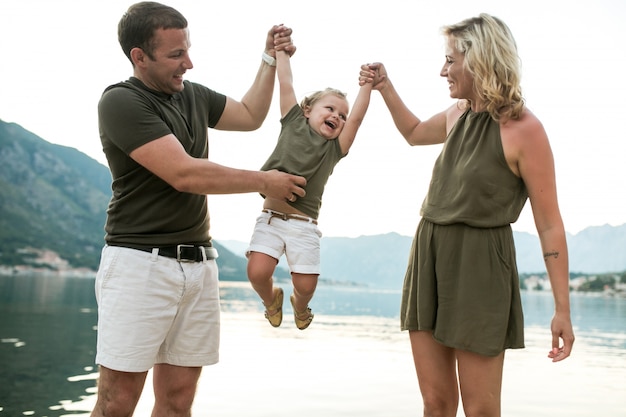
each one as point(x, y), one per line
point(315, 135)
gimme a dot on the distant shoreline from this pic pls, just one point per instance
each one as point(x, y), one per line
point(17, 270)
point(84, 273)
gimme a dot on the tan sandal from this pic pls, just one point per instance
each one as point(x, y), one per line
point(302, 318)
point(277, 306)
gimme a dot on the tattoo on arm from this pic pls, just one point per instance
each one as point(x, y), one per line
point(553, 254)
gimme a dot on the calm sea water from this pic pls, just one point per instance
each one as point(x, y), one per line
point(352, 361)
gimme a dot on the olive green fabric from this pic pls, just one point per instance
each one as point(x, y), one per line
point(472, 182)
point(144, 210)
point(303, 152)
point(462, 281)
point(462, 284)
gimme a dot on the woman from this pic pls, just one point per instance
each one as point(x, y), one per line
point(461, 300)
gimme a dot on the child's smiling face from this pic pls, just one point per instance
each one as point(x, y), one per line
point(327, 116)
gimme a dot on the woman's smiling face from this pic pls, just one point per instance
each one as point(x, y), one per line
point(460, 81)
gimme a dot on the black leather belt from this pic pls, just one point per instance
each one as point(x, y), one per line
point(185, 253)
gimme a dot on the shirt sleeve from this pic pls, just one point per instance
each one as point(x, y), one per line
point(128, 120)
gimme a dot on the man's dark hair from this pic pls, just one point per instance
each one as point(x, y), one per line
point(137, 26)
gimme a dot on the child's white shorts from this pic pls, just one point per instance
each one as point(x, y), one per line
point(298, 239)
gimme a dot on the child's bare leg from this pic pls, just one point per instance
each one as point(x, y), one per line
point(260, 270)
point(303, 289)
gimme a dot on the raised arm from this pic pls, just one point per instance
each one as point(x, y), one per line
point(414, 130)
point(249, 113)
point(355, 118)
point(285, 82)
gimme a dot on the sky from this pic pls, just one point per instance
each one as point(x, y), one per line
point(58, 56)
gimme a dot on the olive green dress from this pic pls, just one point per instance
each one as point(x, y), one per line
point(462, 282)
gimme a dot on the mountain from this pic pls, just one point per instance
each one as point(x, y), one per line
point(381, 260)
point(50, 197)
point(598, 249)
point(53, 200)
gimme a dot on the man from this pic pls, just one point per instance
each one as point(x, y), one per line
point(157, 285)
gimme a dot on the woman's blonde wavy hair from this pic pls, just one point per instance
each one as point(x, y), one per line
point(491, 57)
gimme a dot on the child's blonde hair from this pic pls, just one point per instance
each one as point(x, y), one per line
point(309, 101)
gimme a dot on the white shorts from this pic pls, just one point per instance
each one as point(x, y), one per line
point(298, 239)
point(153, 309)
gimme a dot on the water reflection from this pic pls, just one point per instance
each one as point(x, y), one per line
point(47, 330)
point(48, 336)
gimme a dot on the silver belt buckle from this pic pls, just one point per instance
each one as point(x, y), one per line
point(178, 250)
